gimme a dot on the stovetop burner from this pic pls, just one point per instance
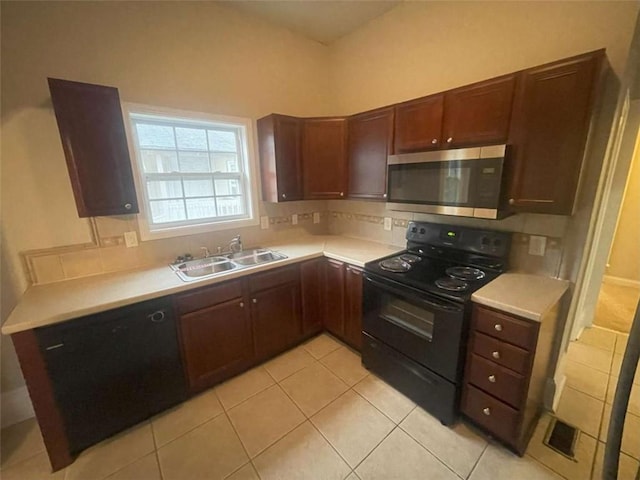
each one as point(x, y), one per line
point(452, 284)
point(395, 264)
point(465, 273)
point(409, 258)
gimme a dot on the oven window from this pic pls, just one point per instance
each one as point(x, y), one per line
point(407, 316)
point(431, 183)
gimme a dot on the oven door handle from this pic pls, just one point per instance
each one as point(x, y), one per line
point(431, 302)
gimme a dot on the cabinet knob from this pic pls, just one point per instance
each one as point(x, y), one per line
point(342, 194)
point(512, 201)
point(384, 195)
point(241, 304)
point(486, 411)
point(127, 206)
point(434, 141)
point(284, 195)
point(254, 300)
point(450, 139)
point(492, 378)
point(156, 317)
point(498, 327)
point(495, 354)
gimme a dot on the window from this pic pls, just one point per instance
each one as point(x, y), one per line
point(193, 171)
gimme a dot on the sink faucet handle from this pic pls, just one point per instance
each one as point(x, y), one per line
point(236, 244)
point(205, 252)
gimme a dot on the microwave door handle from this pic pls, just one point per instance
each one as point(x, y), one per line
point(432, 303)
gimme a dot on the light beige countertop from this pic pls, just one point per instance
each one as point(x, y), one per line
point(522, 294)
point(43, 305)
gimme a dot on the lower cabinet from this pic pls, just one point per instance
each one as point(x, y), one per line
point(312, 295)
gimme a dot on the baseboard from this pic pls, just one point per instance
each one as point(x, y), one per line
point(15, 406)
point(623, 282)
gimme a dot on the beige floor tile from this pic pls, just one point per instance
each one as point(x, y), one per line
point(264, 419)
point(585, 451)
point(352, 476)
point(353, 426)
point(497, 463)
point(212, 450)
point(245, 473)
point(621, 343)
point(627, 466)
point(401, 457)
point(179, 420)
point(313, 388)
point(581, 410)
point(146, 468)
point(34, 468)
point(346, 365)
point(238, 389)
point(302, 454)
point(20, 441)
point(630, 434)
point(598, 337)
point(289, 363)
point(591, 356)
point(634, 398)
point(385, 398)
point(321, 345)
point(586, 379)
point(459, 447)
point(112, 454)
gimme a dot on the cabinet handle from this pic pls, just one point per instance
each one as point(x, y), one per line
point(342, 194)
point(486, 411)
point(127, 206)
point(495, 354)
point(450, 139)
point(254, 300)
point(156, 317)
point(284, 195)
point(241, 304)
point(434, 141)
point(492, 378)
point(498, 327)
point(512, 201)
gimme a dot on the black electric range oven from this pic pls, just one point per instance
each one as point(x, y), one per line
point(416, 308)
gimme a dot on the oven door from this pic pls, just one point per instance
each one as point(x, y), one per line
point(429, 330)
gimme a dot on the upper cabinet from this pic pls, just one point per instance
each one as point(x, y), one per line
point(280, 144)
point(95, 147)
point(551, 118)
point(324, 161)
point(370, 142)
point(419, 124)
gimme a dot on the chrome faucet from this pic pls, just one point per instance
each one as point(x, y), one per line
point(205, 252)
point(235, 246)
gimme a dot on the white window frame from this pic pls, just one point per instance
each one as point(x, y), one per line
point(151, 232)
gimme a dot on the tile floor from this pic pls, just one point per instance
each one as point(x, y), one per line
point(315, 412)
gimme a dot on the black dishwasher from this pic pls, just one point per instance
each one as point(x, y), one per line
point(113, 369)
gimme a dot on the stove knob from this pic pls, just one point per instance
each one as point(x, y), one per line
point(485, 241)
point(414, 229)
point(422, 231)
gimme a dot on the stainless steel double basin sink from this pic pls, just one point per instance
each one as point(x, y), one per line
point(215, 265)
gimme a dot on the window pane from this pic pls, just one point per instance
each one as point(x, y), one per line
point(163, 211)
point(194, 162)
point(224, 162)
point(198, 187)
point(159, 161)
point(164, 189)
point(201, 208)
point(159, 136)
point(228, 206)
point(222, 140)
point(191, 138)
point(228, 187)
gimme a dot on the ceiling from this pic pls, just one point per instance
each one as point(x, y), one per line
point(322, 20)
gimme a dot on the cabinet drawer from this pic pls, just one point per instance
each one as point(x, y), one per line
point(501, 353)
point(497, 417)
point(208, 296)
point(274, 278)
point(504, 327)
point(496, 380)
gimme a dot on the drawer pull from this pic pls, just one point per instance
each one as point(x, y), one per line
point(492, 378)
point(495, 354)
point(486, 411)
point(498, 327)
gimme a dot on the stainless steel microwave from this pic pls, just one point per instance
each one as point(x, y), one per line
point(465, 182)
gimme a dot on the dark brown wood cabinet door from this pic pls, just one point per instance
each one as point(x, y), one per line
point(551, 119)
point(276, 319)
point(479, 113)
point(312, 303)
point(279, 141)
point(324, 157)
point(419, 124)
point(334, 298)
point(95, 147)
point(370, 140)
point(217, 342)
point(353, 311)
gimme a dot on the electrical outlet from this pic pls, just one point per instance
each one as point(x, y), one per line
point(294, 219)
point(387, 223)
point(537, 245)
point(316, 217)
point(131, 239)
point(264, 222)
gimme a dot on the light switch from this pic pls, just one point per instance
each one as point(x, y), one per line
point(537, 245)
point(131, 239)
point(294, 219)
point(264, 222)
point(316, 217)
point(387, 223)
